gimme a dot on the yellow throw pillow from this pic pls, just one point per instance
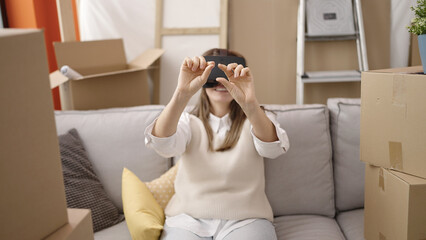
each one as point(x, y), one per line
point(163, 187)
point(144, 216)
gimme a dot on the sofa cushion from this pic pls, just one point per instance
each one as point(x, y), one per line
point(144, 216)
point(307, 227)
point(352, 224)
point(114, 139)
point(348, 168)
point(116, 232)
point(301, 180)
point(163, 188)
point(82, 187)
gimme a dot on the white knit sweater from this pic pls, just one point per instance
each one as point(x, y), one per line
point(220, 185)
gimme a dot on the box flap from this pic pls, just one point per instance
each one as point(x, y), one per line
point(147, 58)
point(56, 79)
point(405, 70)
point(91, 57)
point(410, 179)
point(10, 32)
point(394, 205)
point(110, 73)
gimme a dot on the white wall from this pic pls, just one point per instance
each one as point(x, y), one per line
point(401, 16)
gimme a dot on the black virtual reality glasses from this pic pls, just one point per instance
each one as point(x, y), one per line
point(217, 72)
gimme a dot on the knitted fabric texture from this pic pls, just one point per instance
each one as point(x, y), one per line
point(220, 185)
point(82, 187)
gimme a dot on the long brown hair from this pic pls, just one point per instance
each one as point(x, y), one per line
point(237, 115)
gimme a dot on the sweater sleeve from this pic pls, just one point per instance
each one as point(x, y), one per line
point(170, 146)
point(272, 149)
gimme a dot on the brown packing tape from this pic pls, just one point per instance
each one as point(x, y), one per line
point(381, 179)
point(381, 236)
point(395, 155)
point(398, 94)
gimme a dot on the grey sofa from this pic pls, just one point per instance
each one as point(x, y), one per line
point(316, 189)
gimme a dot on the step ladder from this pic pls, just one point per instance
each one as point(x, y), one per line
point(328, 76)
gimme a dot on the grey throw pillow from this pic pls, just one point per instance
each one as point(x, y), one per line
point(82, 187)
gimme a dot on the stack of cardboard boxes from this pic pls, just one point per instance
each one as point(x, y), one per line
point(393, 143)
point(32, 196)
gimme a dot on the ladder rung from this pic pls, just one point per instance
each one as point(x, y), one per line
point(331, 76)
point(331, 38)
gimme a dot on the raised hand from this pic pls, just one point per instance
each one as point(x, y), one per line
point(240, 84)
point(193, 75)
point(241, 87)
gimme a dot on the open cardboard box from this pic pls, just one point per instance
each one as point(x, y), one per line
point(108, 80)
point(393, 119)
point(395, 206)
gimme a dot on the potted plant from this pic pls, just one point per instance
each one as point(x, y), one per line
point(418, 27)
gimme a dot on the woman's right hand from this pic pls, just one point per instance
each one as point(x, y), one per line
point(193, 75)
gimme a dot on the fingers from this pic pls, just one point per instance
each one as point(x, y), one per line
point(229, 73)
point(207, 71)
point(235, 70)
point(187, 62)
point(232, 70)
point(231, 66)
point(196, 63)
point(200, 81)
point(203, 63)
point(226, 83)
point(245, 72)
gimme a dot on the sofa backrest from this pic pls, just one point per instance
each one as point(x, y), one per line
point(348, 168)
point(301, 181)
point(114, 139)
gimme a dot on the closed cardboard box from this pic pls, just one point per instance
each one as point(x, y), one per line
point(393, 119)
point(395, 205)
point(79, 226)
point(32, 202)
point(107, 79)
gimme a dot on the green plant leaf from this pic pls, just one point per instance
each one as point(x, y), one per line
point(418, 23)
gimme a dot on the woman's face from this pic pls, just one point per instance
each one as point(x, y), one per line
point(219, 95)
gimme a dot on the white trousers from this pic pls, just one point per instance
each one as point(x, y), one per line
point(260, 229)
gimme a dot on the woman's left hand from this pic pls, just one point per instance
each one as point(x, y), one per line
point(240, 84)
point(241, 87)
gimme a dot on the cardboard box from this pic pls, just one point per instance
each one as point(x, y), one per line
point(393, 119)
point(32, 202)
point(395, 205)
point(79, 226)
point(108, 80)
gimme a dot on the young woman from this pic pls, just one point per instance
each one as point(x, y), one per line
point(220, 183)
